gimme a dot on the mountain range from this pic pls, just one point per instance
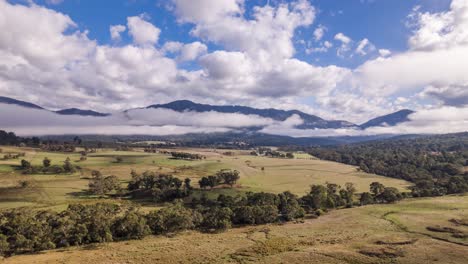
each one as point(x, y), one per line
point(310, 121)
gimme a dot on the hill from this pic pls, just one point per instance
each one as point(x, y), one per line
point(76, 111)
point(392, 119)
point(310, 121)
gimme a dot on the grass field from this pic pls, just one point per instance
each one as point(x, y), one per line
point(278, 175)
point(393, 233)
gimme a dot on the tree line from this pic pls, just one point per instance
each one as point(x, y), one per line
point(229, 177)
point(187, 156)
point(47, 167)
point(434, 164)
point(26, 230)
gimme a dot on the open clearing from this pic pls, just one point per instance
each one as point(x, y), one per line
point(278, 175)
point(370, 234)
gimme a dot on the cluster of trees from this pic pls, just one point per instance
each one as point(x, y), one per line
point(229, 177)
point(9, 138)
point(8, 156)
point(187, 156)
point(47, 167)
point(101, 185)
point(277, 154)
point(58, 147)
point(267, 152)
point(151, 150)
point(331, 196)
point(123, 148)
point(380, 194)
point(159, 187)
point(434, 164)
point(27, 230)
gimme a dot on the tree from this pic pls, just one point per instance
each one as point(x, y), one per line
point(25, 164)
point(376, 188)
point(317, 197)
point(212, 181)
point(228, 176)
point(348, 193)
point(255, 215)
point(289, 206)
point(217, 218)
point(46, 162)
point(457, 184)
point(389, 195)
point(100, 185)
point(204, 182)
point(366, 198)
point(130, 226)
point(173, 219)
point(68, 166)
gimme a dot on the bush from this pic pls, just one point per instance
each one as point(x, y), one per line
point(130, 226)
point(217, 219)
point(173, 219)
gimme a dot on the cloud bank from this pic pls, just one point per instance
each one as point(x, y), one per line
point(36, 122)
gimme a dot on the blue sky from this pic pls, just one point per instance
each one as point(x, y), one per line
point(373, 56)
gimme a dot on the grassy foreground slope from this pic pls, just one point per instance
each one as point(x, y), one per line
point(395, 233)
point(278, 175)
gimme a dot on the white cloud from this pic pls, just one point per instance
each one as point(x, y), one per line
point(345, 44)
point(192, 51)
point(343, 38)
point(186, 52)
point(432, 121)
point(385, 52)
point(442, 30)
point(206, 10)
point(324, 47)
point(142, 32)
point(454, 95)
point(265, 37)
point(116, 30)
point(319, 32)
point(364, 47)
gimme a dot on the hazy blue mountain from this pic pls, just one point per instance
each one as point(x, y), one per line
point(7, 100)
point(392, 119)
point(76, 111)
point(310, 121)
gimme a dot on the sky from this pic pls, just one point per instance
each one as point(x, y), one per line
point(338, 59)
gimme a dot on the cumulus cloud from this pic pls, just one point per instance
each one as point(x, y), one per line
point(185, 52)
point(345, 44)
point(324, 47)
point(266, 36)
point(116, 30)
point(436, 59)
point(142, 31)
point(364, 47)
point(319, 32)
point(384, 52)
